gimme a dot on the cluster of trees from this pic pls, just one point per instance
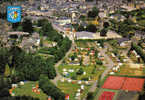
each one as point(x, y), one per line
point(139, 50)
point(63, 43)
point(99, 62)
point(128, 27)
point(104, 31)
point(50, 89)
point(25, 26)
point(19, 65)
point(93, 13)
point(89, 28)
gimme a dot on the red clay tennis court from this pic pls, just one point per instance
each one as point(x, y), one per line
point(114, 82)
point(133, 84)
point(106, 95)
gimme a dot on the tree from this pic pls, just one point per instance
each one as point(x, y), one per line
point(81, 28)
point(72, 57)
point(99, 62)
point(91, 28)
point(106, 24)
point(42, 22)
point(7, 70)
point(94, 13)
point(15, 26)
point(90, 96)
point(80, 71)
point(27, 26)
point(103, 32)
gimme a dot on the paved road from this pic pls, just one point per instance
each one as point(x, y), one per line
point(58, 77)
point(109, 66)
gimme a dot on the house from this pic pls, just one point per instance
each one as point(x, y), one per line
point(63, 20)
point(140, 34)
point(84, 35)
point(118, 17)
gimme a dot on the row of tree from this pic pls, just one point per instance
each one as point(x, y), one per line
point(139, 50)
point(50, 89)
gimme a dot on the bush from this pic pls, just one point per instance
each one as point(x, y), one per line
point(85, 79)
point(99, 62)
point(80, 71)
point(90, 96)
point(74, 77)
point(91, 28)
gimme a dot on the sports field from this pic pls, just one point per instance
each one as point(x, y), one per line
point(107, 95)
point(133, 84)
point(113, 82)
point(124, 83)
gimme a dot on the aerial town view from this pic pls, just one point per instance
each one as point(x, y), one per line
point(72, 49)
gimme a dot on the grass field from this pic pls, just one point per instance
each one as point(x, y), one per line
point(85, 44)
point(71, 89)
point(27, 91)
point(90, 71)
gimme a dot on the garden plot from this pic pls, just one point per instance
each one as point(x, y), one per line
point(83, 56)
point(131, 69)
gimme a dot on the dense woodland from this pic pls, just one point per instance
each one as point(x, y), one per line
point(17, 65)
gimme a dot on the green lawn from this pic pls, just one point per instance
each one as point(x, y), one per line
point(27, 91)
point(71, 89)
point(85, 44)
point(88, 69)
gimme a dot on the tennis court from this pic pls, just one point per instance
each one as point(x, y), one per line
point(107, 95)
point(124, 83)
point(114, 82)
point(133, 84)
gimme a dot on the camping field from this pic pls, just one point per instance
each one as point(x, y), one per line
point(72, 88)
point(90, 71)
point(26, 90)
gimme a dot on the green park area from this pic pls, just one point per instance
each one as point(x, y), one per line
point(26, 90)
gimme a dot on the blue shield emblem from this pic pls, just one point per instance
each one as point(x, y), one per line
point(14, 14)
